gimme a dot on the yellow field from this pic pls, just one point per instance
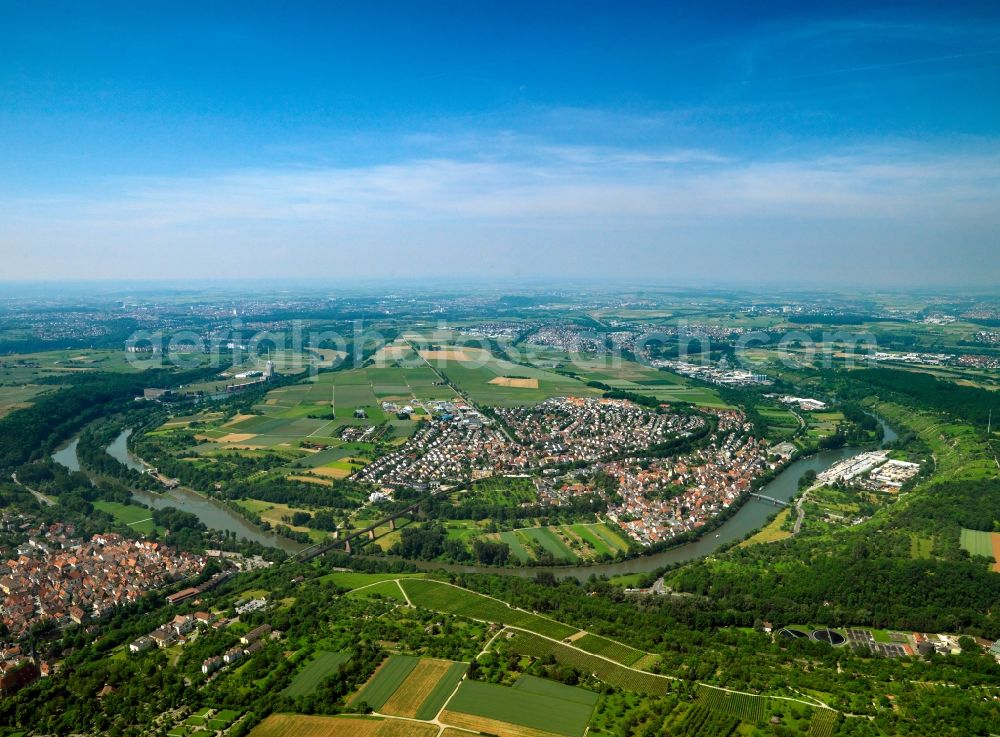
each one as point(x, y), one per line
point(237, 419)
point(450, 354)
point(412, 692)
point(307, 479)
point(300, 725)
point(237, 437)
point(772, 532)
point(515, 383)
point(491, 726)
point(335, 473)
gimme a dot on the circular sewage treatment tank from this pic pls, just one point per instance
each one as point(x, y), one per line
point(828, 636)
point(793, 634)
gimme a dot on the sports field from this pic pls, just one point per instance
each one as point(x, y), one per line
point(322, 665)
point(301, 725)
point(442, 597)
point(536, 704)
point(136, 518)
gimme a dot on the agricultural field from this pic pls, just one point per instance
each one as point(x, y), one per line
point(700, 721)
point(565, 543)
point(772, 531)
point(986, 544)
point(385, 681)
point(354, 580)
point(449, 599)
point(536, 704)
point(425, 690)
point(23, 368)
point(16, 397)
point(823, 723)
point(821, 424)
point(627, 375)
point(322, 665)
point(617, 651)
point(301, 725)
point(275, 514)
point(757, 709)
point(525, 643)
point(385, 589)
point(474, 372)
point(501, 491)
point(782, 423)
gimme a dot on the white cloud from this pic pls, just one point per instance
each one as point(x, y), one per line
point(556, 202)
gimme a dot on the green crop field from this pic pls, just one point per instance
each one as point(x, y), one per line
point(610, 537)
point(322, 665)
point(616, 675)
point(436, 699)
point(516, 546)
point(533, 707)
point(442, 597)
point(551, 543)
point(386, 589)
point(977, 542)
point(617, 651)
point(386, 680)
point(545, 687)
point(352, 580)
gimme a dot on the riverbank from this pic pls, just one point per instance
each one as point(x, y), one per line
point(752, 515)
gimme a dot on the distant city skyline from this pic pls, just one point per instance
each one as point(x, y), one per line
point(826, 144)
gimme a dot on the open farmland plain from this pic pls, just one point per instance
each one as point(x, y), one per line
point(301, 725)
point(985, 544)
point(387, 678)
point(425, 690)
point(540, 705)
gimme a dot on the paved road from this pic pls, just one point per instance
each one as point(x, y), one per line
point(37, 494)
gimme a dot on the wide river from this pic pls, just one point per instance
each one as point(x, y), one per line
point(752, 515)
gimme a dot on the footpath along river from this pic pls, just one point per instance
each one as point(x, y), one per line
point(751, 516)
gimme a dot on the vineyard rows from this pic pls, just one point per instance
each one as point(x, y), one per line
point(823, 723)
point(441, 597)
point(745, 707)
point(617, 651)
point(524, 643)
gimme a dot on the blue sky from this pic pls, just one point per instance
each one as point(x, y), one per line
point(675, 143)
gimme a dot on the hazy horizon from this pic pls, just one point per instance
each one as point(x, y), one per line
point(833, 146)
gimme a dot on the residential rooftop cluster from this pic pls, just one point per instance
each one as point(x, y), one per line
point(568, 429)
point(661, 499)
point(452, 449)
point(463, 444)
point(62, 578)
